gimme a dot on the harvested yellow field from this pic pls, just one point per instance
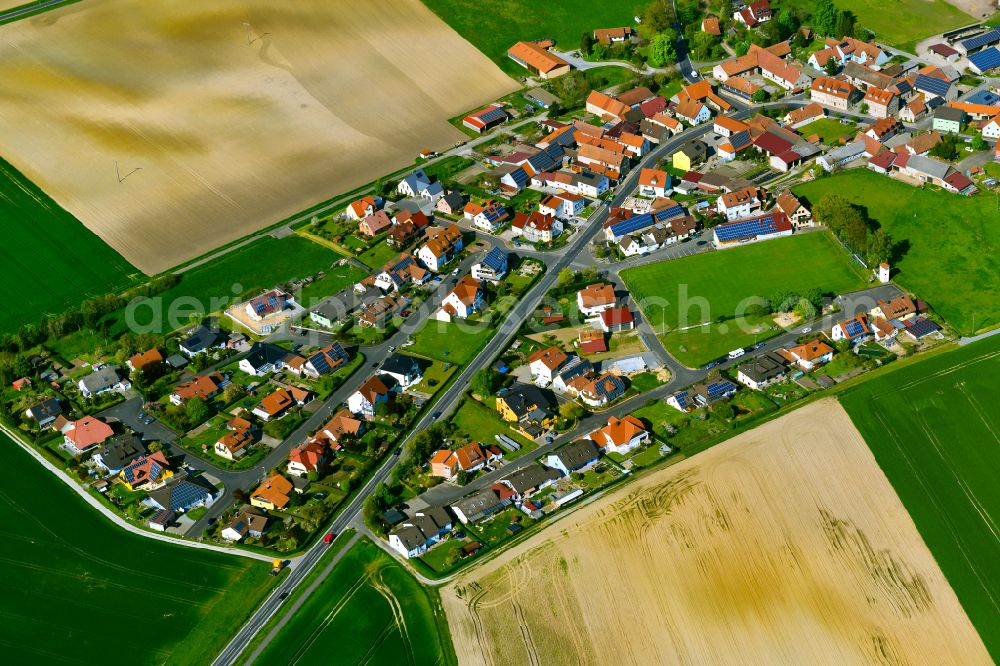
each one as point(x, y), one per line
point(169, 128)
point(785, 545)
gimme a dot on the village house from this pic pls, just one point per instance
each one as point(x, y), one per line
point(180, 495)
point(562, 205)
point(240, 435)
point(620, 435)
point(601, 391)
point(544, 363)
point(362, 208)
point(462, 301)
point(451, 203)
point(415, 535)
point(691, 153)
point(201, 386)
point(754, 13)
point(832, 92)
point(86, 433)
point(854, 330)
point(802, 116)
point(617, 319)
point(45, 412)
point(702, 395)
point(306, 458)
point(605, 107)
point(881, 103)
point(751, 230)
point(276, 404)
point(442, 244)
point(146, 472)
point(654, 183)
point(594, 299)
point(493, 267)
point(419, 184)
point(103, 380)
point(402, 368)
point(488, 217)
point(762, 371)
point(536, 227)
point(374, 391)
point(379, 313)
point(527, 407)
point(201, 339)
point(472, 457)
point(273, 494)
point(608, 36)
point(530, 480)
point(948, 119)
point(268, 303)
point(374, 224)
point(262, 359)
point(246, 522)
point(577, 456)
point(342, 425)
point(482, 504)
point(794, 210)
point(146, 361)
point(810, 355)
point(741, 203)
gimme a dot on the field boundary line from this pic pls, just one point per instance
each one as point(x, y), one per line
point(116, 519)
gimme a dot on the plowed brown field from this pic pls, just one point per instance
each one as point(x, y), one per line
point(785, 544)
point(226, 116)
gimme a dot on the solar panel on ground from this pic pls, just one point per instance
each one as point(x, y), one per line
point(922, 327)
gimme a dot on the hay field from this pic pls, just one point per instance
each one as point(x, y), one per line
point(784, 545)
point(237, 113)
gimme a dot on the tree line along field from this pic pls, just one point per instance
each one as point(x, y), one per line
point(50, 260)
point(935, 431)
point(951, 254)
point(496, 25)
point(369, 610)
point(785, 544)
point(722, 280)
point(78, 589)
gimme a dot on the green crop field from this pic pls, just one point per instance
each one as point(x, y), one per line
point(50, 260)
point(952, 253)
point(904, 22)
point(708, 287)
point(78, 589)
point(241, 273)
point(495, 25)
point(369, 610)
point(935, 430)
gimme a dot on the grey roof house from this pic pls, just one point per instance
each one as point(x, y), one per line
point(100, 381)
point(574, 456)
point(45, 412)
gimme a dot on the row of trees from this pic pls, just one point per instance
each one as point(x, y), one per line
point(852, 225)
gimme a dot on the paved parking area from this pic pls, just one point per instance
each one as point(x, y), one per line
point(128, 413)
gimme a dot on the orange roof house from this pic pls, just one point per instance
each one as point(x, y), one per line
point(87, 432)
point(145, 360)
point(710, 24)
point(202, 386)
point(607, 36)
point(446, 464)
point(551, 358)
point(274, 493)
point(305, 458)
point(594, 298)
point(620, 435)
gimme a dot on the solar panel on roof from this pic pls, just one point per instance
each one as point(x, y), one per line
point(495, 259)
point(986, 59)
point(854, 328)
point(932, 85)
point(922, 327)
point(320, 363)
point(747, 228)
point(668, 213)
point(634, 223)
point(184, 495)
point(990, 37)
point(492, 115)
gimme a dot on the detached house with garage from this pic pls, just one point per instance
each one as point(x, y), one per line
point(545, 363)
point(85, 434)
point(563, 205)
point(620, 435)
point(741, 203)
point(594, 299)
point(419, 184)
point(362, 208)
point(404, 369)
point(415, 535)
point(536, 227)
point(574, 457)
point(104, 380)
point(809, 355)
point(465, 299)
point(854, 330)
point(202, 386)
point(493, 267)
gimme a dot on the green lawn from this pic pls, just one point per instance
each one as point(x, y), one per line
point(935, 432)
point(50, 259)
point(449, 341)
point(608, 76)
point(350, 618)
point(378, 255)
point(481, 423)
point(953, 242)
point(70, 568)
point(435, 376)
point(706, 287)
point(332, 283)
point(495, 25)
point(903, 22)
point(829, 130)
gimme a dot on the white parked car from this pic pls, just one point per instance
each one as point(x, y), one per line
point(736, 353)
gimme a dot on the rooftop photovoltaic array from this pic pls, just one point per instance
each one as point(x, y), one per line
point(854, 328)
point(986, 59)
point(494, 259)
point(747, 228)
point(991, 37)
point(932, 85)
